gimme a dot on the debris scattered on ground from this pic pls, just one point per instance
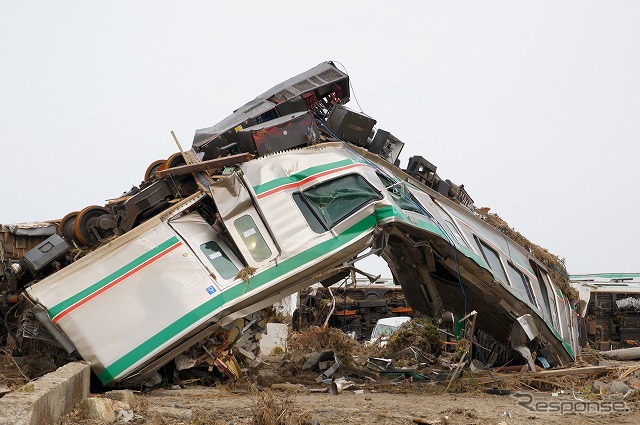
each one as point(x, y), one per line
point(419, 333)
point(280, 379)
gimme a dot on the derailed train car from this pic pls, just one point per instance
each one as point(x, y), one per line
point(287, 191)
point(610, 306)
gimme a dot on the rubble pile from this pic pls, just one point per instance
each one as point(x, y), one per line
point(325, 360)
point(320, 339)
point(25, 359)
point(416, 358)
point(419, 333)
point(12, 376)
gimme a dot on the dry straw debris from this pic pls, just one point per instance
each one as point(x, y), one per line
point(279, 409)
point(317, 339)
point(419, 333)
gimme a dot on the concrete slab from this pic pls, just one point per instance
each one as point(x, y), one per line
point(126, 396)
point(275, 336)
point(102, 409)
point(46, 399)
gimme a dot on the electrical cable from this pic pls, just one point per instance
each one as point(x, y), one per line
point(331, 132)
point(8, 328)
point(455, 254)
point(455, 257)
point(350, 86)
point(485, 360)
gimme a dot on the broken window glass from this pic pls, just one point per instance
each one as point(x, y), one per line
point(553, 306)
point(546, 301)
point(456, 234)
point(563, 318)
point(252, 238)
point(548, 296)
point(314, 222)
point(219, 260)
point(493, 260)
point(521, 283)
point(403, 199)
point(334, 200)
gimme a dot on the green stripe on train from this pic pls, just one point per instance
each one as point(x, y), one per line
point(60, 307)
point(241, 288)
point(294, 178)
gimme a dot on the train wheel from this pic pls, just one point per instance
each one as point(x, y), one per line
point(150, 174)
point(86, 220)
point(176, 160)
point(67, 228)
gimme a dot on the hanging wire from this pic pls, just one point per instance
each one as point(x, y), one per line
point(453, 248)
point(321, 123)
point(8, 327)
point(484, 360)
point(350, 85)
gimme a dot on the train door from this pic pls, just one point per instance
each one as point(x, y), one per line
point(243, 222)
point(209, 247)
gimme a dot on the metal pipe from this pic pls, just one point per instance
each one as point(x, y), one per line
point(43, 317)
point(632, 353)
point(12, 298)
point(13, 270)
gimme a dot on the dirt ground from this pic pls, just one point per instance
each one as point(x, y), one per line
point(385, 401)
point(563, 398)
point(220, 405)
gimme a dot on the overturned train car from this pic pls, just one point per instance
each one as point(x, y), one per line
point(287, 191)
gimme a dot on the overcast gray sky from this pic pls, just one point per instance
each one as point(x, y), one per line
point(533, 106)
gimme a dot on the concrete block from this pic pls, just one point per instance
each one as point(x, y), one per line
point(167, 412)
point(48, 398)
point(618, 387)
point(126, 396)
point(97, 408)
point(599, 387)
point(103, 409)
point(275, 336)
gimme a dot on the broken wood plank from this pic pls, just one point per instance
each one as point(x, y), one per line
point(288, 387)
point(571, 371)
point(629, 371)
point(427, 421)
point(211, 164)
point(116, 200)
point(543, 374)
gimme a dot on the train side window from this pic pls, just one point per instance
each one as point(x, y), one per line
point(521, 283)
point(219, 260)
point(553, 306)
point(404, 200)
point(334, 200)
point(546, 297)
point(314, 222)
point(252, 238)
point(456, 234)
point(493, 260)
